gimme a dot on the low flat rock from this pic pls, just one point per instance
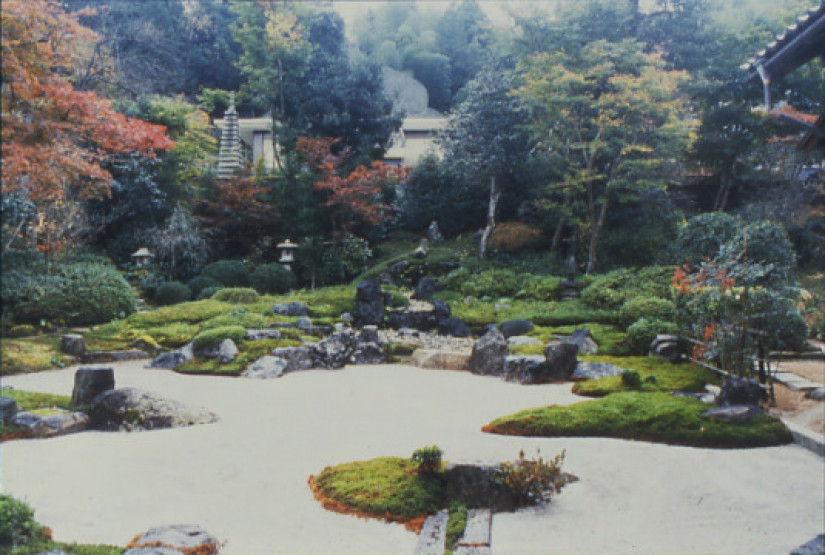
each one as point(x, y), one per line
point(734, 413)
point(183, 538)
point(595, 370)
point(259, 334)
point(131, 409)
point(98, 357)
point(158, 550)
point(477, 534)
point(51, 422)
point(814, 547)
point(297, 358)
point(517, 340)
point(440, 360)
point(433, 535)
point(266, 367)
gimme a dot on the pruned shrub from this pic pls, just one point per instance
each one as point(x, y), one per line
point(172, 292)
point(643, 331)
point(23, 330)
point(492, 283)
point(428, 459)
point(612, 289)
point(236, 295)
point(541, 288)
point(17, 524)
point(515, 237)
point(199, 283)
point(208, 292)
point(272, 278)
point(231, 273)
point(213, 336)
point(631, 379)
point(647, 307)
point(74, 294)
point(533, 481)
point(701, 236)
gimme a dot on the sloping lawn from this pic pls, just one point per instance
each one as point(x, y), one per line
point(656, 417)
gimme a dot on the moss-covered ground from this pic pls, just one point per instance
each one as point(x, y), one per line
point(31, 354)
point(657, 417)
point(32, 401)
point(656, 373)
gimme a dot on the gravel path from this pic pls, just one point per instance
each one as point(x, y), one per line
point(244, 478)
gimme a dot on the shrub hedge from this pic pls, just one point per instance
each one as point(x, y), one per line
point(231, 273)
point(172, 292)
point(272, 278)
point(236, 295)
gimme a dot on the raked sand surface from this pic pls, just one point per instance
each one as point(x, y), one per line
point(244, 478)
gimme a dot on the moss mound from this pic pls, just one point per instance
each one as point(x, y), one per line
point(656, 417)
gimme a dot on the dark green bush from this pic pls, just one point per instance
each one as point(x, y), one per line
point(632, 379)
point(23, 330)
point(488, 283)
point(17, 524)
point(199, 283)
point(213, 336)
point(541, 288)
point(612, 289)
point(74, 294)
point(643, 331)
point(231, 273)
point(236, 295)
point(208, 292)
point(428, 459)
point(272, 278)
point(702, 236)
point(647, 307)
point(172, 292)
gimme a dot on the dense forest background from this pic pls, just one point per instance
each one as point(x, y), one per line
point(602, 126)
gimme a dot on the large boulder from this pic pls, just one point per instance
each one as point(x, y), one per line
point(8, 408)
point(134, 409)
point(91, 381)
point(561, 360)
point(422, 320)
point(297, 358)
point(526, 369)
point(814, 547)
point(740, 391)
point(454, 326)
point(440, 360)
point(369, 303)
point(266, 367)
point(516, 327)
point(73, 344)
point(294, 308)
point(595, 370)
point(668, 347)
point(368, 353)
point(168, 361)
point(227, 351)
point(183, 538)
point(441, 310)
point(489, 354)
point(426, 288)
point(334, 351)
point(369, 334)
point(50, 422)
point(584, 341)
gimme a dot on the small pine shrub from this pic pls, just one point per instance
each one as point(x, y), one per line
point(428, 459)
point(631, 378)
point(172, 292)
point(533, 481)
point(515, 237)
point(236, 295)
point(17, 524)
point(231, 273)
point(213, 336)
point(199, 283)
point(642, 332)
point(272, 278)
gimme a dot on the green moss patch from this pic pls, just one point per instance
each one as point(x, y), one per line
point(252, 351)
point(192, 312)
point(657, 375)
point(32, 400)
point(214, 336)
point(386, 487)
point(656, 417)
point(31, 354)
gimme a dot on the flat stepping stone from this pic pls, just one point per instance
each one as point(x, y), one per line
point(440, 360)
point(797, 383)
point(433, 535)
point(477, 534)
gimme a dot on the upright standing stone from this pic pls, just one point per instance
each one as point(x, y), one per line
point(8, 408)
point(91, 381)
point(73, 344)
point(489, 354)
point(369, 307)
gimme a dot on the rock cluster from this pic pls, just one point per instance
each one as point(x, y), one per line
point(131, 409)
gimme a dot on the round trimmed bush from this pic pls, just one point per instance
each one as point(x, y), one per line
point(231, 273)
point(172, 292)
point(647, 307)
point(199, 283)
point(236, 295)
point(642, 333)
point(272, 278)
point(515, 237)
point(23, 330)
point(209, 292)
point(74, 294)
point(702, 236)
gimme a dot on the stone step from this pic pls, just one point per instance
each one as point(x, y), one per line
point(433, 535)
point(477, 534)
point(97, 357)
point(797, 383)
point(440, 360)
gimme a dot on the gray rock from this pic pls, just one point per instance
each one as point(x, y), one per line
point(188, 351)
point(168, 361)
point(266, 367)
point(294, 308)
point(347, 318)
point(814, 547)
point(516, 327)
point(227, 351)
point(561, 360)
point(740, 391)
point(187, 538)
point(454, 326)
point(740, 414)
point(259, 334)
point(57, 552)
point(423, 320)
point(74, 345)
point(517, 340)
point(526, 369)
point(369, 334)
point(8, 408)
point(419, 253)
point(441, 310)
point(433, 233)
point(369, 303)
point(426, 288)
point(595, 370)
point(399, 268)
point(477, 485)
point(368, 353)
point(334, 351)
point(159, 550)
point(51, 422)
point(433, 534)
point(489, 354)
point(817, 394)
point(584, 341)
point(134, 409)
point(667, 346)
point(102, 357)
point(297, 358)
point(477, 533)
point(303, 323)
point(91, 381)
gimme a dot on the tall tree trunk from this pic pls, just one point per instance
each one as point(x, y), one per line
point(722, 195)
point(495, 195)
point(554, 246)
point(596, 235)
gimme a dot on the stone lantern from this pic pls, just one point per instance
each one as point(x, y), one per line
point(142, 257)
point(287, 249)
